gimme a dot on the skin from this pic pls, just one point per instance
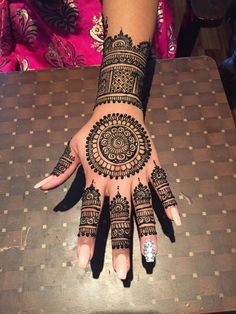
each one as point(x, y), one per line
point(140, 13)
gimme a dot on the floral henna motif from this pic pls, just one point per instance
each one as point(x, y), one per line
point(122, 71)
point(120, 222)
point(64, 162)
point(144, 212)
point(117, 146)
point(159, 179)
point(90, 211)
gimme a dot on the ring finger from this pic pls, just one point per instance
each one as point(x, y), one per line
point(145, 219)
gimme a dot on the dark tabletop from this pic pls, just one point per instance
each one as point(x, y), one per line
point(191, 124)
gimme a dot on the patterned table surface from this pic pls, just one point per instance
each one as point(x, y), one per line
point(191, 124)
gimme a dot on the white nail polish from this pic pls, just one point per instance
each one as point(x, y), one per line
point(149, 251)
point(37, 185)
point(41, 183)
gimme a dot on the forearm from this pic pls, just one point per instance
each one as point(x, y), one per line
point(129, 27)
point(137, 18)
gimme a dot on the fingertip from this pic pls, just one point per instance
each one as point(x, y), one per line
point(176, 216)
point(169, 213)
point(178, 222)
point(83, 256)
point(37, 185)
point(121, 266)
point(149, 250)
point(85, 250)
point(42, 182)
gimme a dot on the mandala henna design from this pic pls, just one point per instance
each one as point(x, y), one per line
point(122, 71)
point(120, 222)
point(64, 162)
point(117, 146)
point(159, 179)
point(90, 211)
point(144, 212)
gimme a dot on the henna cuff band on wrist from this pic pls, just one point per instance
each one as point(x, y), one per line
point(122, 71)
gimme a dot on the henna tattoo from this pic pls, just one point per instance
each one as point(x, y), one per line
point(117, 146)
point(142, 195)
point(159, 179)
point(64, 162)
point(120, 222)
point(144, 212)
point(90, 211)
point(105, 25)
point(148, 230)
point(145, 217)
point(122, 71)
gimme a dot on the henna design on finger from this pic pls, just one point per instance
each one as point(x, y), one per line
point(120, 222)
point(122, 70)
point(159, 179)
point(143, 209)
point(117, 146)
point(64, 162)
point(90, 211)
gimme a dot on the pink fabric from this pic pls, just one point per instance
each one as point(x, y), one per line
point(33, 35)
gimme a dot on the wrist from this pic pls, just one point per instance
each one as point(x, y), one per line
point(123, 108)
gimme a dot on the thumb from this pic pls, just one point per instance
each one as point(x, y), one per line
point(66, 165)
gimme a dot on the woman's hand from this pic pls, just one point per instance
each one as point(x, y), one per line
point(119, 159)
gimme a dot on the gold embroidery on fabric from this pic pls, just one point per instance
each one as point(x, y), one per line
point(97, 33)
point(172, 43)
point(25, 65)
point(28, 27)
point(160, 16)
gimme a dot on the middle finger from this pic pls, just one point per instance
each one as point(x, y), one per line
point(120, 212)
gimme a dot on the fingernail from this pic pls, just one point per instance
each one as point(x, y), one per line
point(176, 216)
point(121, 266)
point(149, 251)
point(84, 254)
point(41, 183)
point(37, 185)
